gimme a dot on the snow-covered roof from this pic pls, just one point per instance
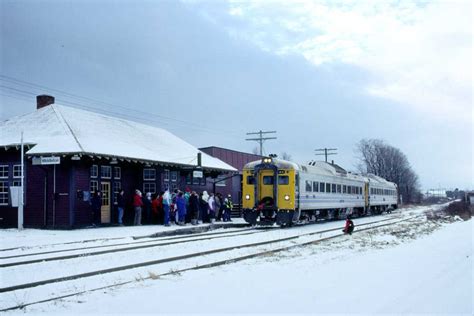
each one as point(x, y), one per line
point(58, 129)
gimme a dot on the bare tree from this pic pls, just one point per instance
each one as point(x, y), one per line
point(285, 156)
point(386, 161)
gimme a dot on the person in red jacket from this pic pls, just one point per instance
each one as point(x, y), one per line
point(137, 205)
point(349, 228)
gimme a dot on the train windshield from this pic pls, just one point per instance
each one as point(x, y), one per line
point(268, 180)
point(282, 180)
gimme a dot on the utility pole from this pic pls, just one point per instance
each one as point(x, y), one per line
point(327, 152)
point(20, 204)
point(261, 139)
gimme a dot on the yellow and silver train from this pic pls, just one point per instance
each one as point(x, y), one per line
point(283, 192)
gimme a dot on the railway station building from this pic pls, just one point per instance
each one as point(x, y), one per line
point(70, 153)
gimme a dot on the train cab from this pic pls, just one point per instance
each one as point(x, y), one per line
point(269, 191)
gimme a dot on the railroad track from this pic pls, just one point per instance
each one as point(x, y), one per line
point(134, 245)
point(360, 227)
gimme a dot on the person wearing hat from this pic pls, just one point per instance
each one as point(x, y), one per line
point(228, 206)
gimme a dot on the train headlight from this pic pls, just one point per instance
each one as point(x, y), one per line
point(287, 197)
point(247, 196)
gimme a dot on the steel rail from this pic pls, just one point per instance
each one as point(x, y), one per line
point(214, 264)
point(170, 259)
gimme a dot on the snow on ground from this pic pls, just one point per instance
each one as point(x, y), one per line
point(424, 267)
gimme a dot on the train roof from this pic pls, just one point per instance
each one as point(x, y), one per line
point(379, 180)
point(280, 163)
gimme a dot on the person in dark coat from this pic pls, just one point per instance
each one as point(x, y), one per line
point(194, 208)
point(203, 207)
point(96, 204)
point(349, 227)
point(120, 207)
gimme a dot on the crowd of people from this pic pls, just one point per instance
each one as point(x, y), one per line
point(170, 207)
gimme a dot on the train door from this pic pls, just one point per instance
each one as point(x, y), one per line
point(105, 209)
point(366, 196)
point(266, 191)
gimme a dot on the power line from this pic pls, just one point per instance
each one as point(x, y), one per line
point(261, 139)
point(327, 152)
point(24, 93)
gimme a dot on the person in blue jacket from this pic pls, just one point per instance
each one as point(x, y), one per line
point(181, 207)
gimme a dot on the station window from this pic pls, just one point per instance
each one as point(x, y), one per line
point(321, 187)
point(338, 188)
point(117, 189)
point(203, 181)
point(149, 187)
point(315, 186)
point(166, 175)
point(94, 171)
point(106, 172)
point(333, 187)
point(268, 180)
point(309, 186)
point(328, 187)
point(4, 171)
point(4, 192)
point(188, 178)
point(196, 181)
point(250, 180)
point(94, 186)
point(117, 172)
point(149, 174)
point(16, 171)
point(174, 176)
point(283, 180)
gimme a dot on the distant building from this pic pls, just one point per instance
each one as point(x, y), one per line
point(237, 159)
point(70, 153)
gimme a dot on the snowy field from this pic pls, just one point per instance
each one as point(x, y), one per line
point(410, 268)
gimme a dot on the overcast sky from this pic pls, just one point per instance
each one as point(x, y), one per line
point(320, 73)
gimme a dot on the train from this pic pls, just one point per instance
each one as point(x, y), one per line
point(286, 193)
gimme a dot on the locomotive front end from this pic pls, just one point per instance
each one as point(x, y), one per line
point(268, 192)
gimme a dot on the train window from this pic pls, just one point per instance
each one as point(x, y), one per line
point(338, 188)
point(250, 180)
point(283, 180)
point(344, 189)
point(321, 186)
point(315, 186)
point(333, 188)
point(353, 190)
point(308, 186)
point(328, 187)
point(267, 180)
point(360, 190)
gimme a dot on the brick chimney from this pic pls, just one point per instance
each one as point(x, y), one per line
point(43, 100)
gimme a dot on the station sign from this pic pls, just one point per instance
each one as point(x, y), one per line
point(46, 160)
point(197, 174)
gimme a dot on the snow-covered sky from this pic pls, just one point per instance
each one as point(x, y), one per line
point(321, 73)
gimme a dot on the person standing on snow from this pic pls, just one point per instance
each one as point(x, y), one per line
point(166, 207)
point(96, 204)
point(193, 209)
point(181, 207)
point(228, 206)
point(211, 208)
point(137, 205)
point(120, 207)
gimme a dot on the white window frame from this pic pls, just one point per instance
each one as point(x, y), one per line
point(4, 199)
point(102, 169)
point(3, 171)
point(149, 184)
point(96, 186)
point(96, 169)
point(166, 175)
point(18, 167)
point(174, 176)
point(117, 170)
point(149, 179)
